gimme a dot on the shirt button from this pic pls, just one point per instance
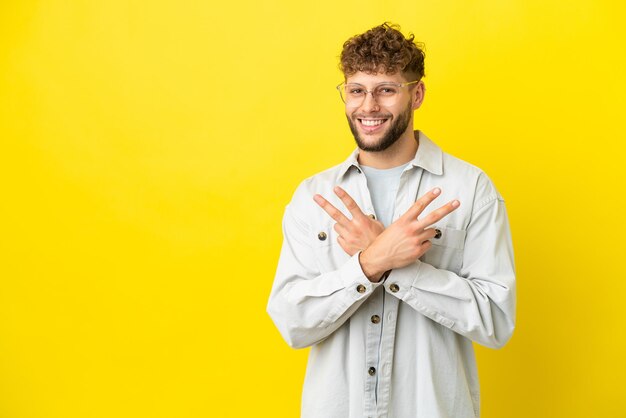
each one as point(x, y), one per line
point(371, 215)
point(394, 288)
point(372, 371)
point(437, 233)
point(375, 319)
point(322, 236)
point(360, 288)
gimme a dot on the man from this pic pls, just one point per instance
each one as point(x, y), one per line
point(389, 293)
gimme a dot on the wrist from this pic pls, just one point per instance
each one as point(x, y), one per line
point(372, 270)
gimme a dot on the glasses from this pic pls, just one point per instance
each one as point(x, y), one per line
point(385, 94)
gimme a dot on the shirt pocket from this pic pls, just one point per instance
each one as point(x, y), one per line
point(328, 253)
point(447, 251)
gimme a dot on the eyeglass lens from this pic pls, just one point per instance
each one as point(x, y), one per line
point(384, 94)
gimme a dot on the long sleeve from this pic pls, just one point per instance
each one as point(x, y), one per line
point(402, 347)
point(479, 302)
point(306, 305)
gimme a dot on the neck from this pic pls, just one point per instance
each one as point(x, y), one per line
point(401, 152)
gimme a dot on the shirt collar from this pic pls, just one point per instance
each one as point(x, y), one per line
point(428, 156)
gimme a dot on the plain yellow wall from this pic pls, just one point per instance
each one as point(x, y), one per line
point(148, 149)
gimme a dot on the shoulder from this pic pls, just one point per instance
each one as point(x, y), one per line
point(322, 183)
point(463, 179)
point(471, 179)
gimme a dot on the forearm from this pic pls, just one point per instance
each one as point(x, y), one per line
point(308, 309)
point(477, 297)
point(479, 301)
point(481, 308)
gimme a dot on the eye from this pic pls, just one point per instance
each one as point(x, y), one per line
point(386, 90)
point(355, 90)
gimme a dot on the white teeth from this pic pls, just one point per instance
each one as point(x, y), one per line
point(376, 122)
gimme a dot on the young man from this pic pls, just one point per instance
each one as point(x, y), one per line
point(388, 292)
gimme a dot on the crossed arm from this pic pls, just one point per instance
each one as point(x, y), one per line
point(477, 302)
point(382, 250)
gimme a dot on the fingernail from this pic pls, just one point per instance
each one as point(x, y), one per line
point(338, 189)
point(437, 191)
point(455, 203)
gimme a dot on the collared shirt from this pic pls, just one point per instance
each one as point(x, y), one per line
point(401, 347)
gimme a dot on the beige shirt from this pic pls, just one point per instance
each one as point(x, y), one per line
point(403, 347)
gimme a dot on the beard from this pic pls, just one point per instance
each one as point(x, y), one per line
point(394, 132)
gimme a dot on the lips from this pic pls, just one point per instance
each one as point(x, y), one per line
point(371, 124)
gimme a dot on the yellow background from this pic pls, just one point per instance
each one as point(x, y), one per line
point(148, 149)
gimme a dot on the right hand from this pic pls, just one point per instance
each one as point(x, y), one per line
point(405, 240)
point(355, 234)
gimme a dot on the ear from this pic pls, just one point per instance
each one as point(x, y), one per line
point(417, 95)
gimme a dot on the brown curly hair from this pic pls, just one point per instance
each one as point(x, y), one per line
point(383, 49)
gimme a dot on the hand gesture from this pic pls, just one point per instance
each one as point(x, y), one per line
point(405, 240)
point(355, 234)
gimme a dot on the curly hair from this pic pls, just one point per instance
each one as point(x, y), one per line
point(383, 49)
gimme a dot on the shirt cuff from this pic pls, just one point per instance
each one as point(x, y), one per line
point(354, 280)
point(400, 280)
point(400, 284)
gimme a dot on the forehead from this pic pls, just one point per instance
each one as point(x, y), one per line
point(373, 79)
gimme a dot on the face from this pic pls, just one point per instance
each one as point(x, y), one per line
point(377, 128)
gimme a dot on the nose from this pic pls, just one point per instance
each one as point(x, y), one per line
point(369, 103)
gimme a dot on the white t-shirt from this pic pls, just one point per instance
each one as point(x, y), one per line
point(383, 186)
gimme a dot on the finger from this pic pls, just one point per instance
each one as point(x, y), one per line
point(332, 211)
point(347, 248)
point(426, 246)
point(348, 202)
point(427, 234)
point(340, 229)
point(438, 214)
point(421, 204)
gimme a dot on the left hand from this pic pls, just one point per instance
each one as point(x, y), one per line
point(355, 234)
point(406, 239)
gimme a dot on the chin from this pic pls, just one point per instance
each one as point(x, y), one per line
point(375, 145)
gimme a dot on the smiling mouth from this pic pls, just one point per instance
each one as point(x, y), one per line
point(371, 123)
